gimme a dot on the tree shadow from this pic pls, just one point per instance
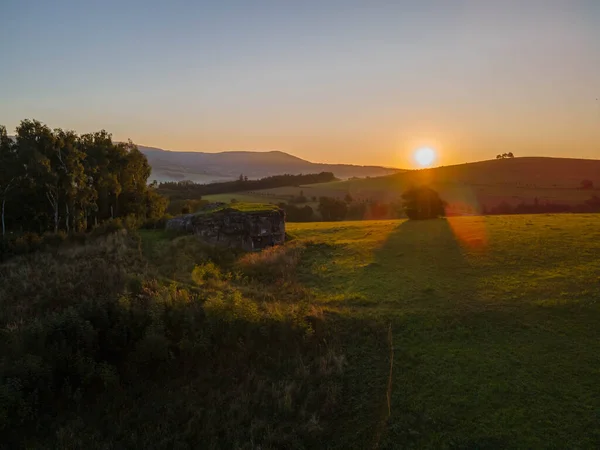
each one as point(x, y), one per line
point(419, 265)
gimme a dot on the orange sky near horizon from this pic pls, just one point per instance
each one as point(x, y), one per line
point(336, 81)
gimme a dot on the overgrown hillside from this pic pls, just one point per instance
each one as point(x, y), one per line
point(460, 333)
point(161, 342)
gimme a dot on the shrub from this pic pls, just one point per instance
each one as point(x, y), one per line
point(207, 273)
point(132, 222)
point(157, 224)
point(231, 306)
point(27, 243)
point(272, 263)
point(89, 335)
point(53, 240)
point(108, 227)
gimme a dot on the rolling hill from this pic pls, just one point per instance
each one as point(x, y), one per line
point(208, 167)
point(473, 185)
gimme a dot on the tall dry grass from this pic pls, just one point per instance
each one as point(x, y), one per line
point(101, 349)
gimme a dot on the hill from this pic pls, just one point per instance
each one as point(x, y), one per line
point(209, 167)
point(473, 185)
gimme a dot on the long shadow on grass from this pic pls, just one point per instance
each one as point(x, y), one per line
point(415, 272)
point(465, 375)
point(420, 265)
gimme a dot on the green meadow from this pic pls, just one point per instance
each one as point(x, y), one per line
point(458, 333)
point(494, 325)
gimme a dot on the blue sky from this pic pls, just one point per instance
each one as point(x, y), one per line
point(335, 81)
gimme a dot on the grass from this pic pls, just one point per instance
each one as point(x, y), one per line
point(494, 323)
point(466, 187)
point(244, 197)
point(243, 207)
point(470, 333)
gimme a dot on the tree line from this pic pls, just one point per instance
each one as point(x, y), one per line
point(592, 205)
point(417, 203)
point(54, 179)
point(189, 190)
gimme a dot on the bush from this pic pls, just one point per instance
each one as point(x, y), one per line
point(157, 224)
point(53, 240)
point(91, 335)
point(272, 263)
point(207, 273)
point(109, 227)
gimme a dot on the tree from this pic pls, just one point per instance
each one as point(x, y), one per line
point(505, 155)
point(294, 213)
point(421, 203)
point(357, 211)
point(348, 198)
point(59, 180)
point(332, 209)
point(156, 204)
point(10, 171)
point(71, 174)
point(37, 144)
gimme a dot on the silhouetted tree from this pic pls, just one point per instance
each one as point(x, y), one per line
point(510, 155)
point(357, 211)
point(423, 203)
point(332, 208)
point(294, 213)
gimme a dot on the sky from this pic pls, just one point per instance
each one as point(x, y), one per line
point(340, 81)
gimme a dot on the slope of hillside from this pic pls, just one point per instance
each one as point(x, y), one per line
point(208, 167)
point(475, 185)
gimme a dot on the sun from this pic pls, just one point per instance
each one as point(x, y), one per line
point(425, 156)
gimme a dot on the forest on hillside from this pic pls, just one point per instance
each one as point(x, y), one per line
point(54, 179)
point(189, 189)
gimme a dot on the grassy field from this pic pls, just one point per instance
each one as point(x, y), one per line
point(494, 325)
point(244, 197)
point(461, 333)
point(470, 186)
point(242, 207)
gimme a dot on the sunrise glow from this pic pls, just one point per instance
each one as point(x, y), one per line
point(425, 156)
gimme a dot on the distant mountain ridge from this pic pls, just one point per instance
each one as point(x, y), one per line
point(203, 167)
